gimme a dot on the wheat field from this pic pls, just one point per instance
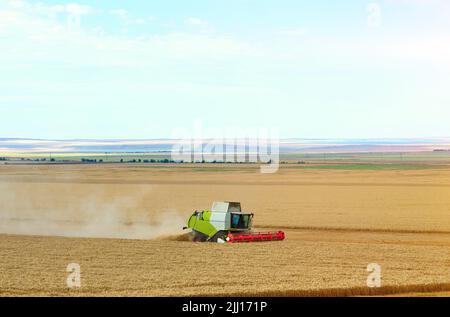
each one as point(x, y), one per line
point(122, 224)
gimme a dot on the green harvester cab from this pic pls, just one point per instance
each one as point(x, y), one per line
point(214, 225)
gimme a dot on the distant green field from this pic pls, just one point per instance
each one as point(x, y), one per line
point(369, 157)
point(367, 166)
point(335, 161)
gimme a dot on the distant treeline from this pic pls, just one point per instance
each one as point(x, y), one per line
point(85, 160)
point(122, 160)
point(149, 161)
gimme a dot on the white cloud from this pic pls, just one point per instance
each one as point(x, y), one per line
point(32, 34)
point(417, 48)
point(120, 13)
point(196, 22)
point(125, 17)
point(48, 10)
point(293, 31)
point(421, 2)
point(77, 9)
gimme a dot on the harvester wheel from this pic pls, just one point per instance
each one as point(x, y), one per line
point(219, 235)
point(198, 236)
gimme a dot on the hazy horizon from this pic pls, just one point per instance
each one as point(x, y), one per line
point(374, 139)
point(12, 146)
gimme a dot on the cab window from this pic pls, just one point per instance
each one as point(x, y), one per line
point(240, 221)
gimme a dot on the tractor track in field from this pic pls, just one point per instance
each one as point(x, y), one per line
point(372, 236)
point(351, 230)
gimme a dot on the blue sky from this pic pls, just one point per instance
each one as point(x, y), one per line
point(140, 69)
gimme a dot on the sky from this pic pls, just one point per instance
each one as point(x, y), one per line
point(142, 69)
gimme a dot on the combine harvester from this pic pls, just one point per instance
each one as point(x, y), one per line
point(225, 222)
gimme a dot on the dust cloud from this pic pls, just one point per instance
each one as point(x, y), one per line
point(84, 210)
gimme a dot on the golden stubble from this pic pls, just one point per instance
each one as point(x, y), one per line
point(336, 222)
